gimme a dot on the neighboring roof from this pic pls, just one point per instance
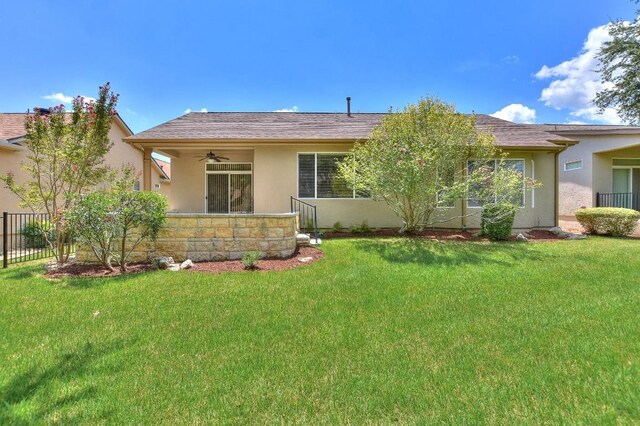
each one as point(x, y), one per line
point(11, 125)
point(588, 129)
point(165, 168)
point(301, 126)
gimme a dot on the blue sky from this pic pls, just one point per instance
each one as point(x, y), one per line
point(165, 57)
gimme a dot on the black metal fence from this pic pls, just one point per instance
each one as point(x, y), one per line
point(629, 200)
point(307, 215)
point(24, 237)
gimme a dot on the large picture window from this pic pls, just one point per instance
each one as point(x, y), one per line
point(490, 165)
point(318, 177)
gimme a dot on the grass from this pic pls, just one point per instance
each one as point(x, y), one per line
point(378, 331)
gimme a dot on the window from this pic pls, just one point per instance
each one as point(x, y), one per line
point(318, 177)
point(156, 186)
point(136, 185)
point(572, 165)
point(633, 162)
point(490, 165)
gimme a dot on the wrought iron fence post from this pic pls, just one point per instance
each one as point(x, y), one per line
point(597, 199)
point(5, 252)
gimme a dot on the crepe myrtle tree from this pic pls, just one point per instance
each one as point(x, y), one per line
point(65, 158)
point(113, 222)
point(414, 160)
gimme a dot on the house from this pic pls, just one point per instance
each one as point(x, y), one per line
point(255, 162)
point(13, 154)
point(602, 170)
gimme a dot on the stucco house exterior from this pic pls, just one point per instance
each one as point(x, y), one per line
point(271, 157)
point(603, 169)
point(13, 153)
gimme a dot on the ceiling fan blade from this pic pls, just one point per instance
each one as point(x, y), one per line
point(203, 158)
point(223, 158)
point(217, 159)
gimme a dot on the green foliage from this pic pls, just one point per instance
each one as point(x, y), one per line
point(250, 259)
point(414, 159)
point(497, 220)
point(36, 233)
point(620, 67)
point(613, 221)
point(113, 222)
point(363, 228)
point(337, 227)
point(65, 159)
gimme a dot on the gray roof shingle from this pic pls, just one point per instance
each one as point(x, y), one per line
point(317, 126)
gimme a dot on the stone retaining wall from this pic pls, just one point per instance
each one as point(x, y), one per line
point(202, 237)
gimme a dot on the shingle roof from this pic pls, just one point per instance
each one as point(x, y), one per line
point(316, 126)
point(12, 125)
point(578, 129)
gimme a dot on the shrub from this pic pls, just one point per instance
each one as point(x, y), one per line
point(363, 228)
point(250, 260)
point(497, 220)
point(613, 221)
point(337, 227)
point(36, 233)
point(113, 223)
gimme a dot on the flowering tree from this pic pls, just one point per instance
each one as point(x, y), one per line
point(414, 160)
point(66, 156)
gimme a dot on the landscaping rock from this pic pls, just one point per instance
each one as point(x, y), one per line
point(187, 264)
point(521, 238)
point(174, 267)
point(305, 259)
point(163, 262)
point(557, 231)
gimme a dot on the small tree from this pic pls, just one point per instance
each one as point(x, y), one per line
point(65, 158)
point(114, 222)
point(414, 160)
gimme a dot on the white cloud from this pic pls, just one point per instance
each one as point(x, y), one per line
point(517, 113)
point(67, 100)
point(292, 109)
point(188, 110)
point(576, 81)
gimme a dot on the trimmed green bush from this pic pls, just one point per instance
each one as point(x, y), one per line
point(36, 232)
point(613, 221)
point(497, 220)
point(250, 260)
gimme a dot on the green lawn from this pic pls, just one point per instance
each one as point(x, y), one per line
point(378, 331)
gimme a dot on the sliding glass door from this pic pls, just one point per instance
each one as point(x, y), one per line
point(229, 188)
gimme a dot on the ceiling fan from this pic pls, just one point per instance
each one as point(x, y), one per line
point(213, 157)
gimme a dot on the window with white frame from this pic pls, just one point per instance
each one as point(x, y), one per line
point(491, 165)
point(572, 165)
point(318, 177)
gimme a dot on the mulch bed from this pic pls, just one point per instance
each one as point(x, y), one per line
point(533, 236)
point(94, 270)
point(267, 264)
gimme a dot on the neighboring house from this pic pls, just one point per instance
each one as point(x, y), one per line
point(163, 169)
point(271, 157)
point(602, 170)
point(13, 153)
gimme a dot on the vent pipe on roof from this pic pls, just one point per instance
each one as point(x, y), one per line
point(349, 106)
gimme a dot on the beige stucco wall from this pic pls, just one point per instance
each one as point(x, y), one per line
point(577, 188)
point(275, 181)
